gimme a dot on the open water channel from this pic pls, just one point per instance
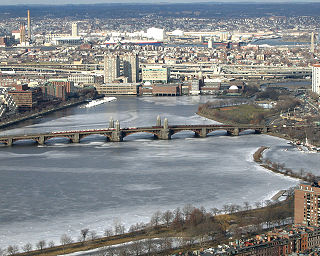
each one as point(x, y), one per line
point(60, 188)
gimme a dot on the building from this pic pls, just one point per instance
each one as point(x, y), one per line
point(166, 90)
point(54, 91)
point(82, 79)
point(117, 89)
point(26, 98)
point(111, 68)
point(156, 33)
point(69, 84)
point(67, 40)
point(131, 67)
point(307, 205)
point(74, 32)
point(29, 26)
point(316, 78)
point(155, 74)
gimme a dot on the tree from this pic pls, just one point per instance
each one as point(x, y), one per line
point(215, 211)
point(149, 245)
point(65, 239)
point(84, 232)
point(51, 244)
point(187, 210)
point(12, 249)
point(167, 217)
point(155, 219)
point(136, 248)
point(108, 232)
point(40, 245)
point(93, 235)
point(27, 247)
point(246, 206)
point(119, 228)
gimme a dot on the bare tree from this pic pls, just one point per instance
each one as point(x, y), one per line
point(136, 248)
point(246, 206)
point(149, 245)
point(215, 211)
point(167, 217)
point(51, 244)
point(12, 249)
point(27, 247)
point(119, 228)
point(225, 208)
point(84, 232)
point(258, 204)
point(108, 251)
point(40, 245)
point(93, 235)
point(187, 210)
point(65, 239)
point(155, 219)
point(108, 232)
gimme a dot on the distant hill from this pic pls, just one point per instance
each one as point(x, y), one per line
point(205, 10)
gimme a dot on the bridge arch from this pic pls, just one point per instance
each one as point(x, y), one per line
point(150, 133)
point(106, 136)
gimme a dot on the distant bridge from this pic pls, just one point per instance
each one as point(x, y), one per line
point(116, 134)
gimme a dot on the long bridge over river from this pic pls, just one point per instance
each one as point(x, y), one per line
point(116, 134)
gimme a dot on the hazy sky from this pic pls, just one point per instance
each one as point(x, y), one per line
point(16, 2)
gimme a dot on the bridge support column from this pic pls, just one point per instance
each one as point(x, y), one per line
point(236, 131)
point(203, 132)
point(41, 140)
point(76, 138)
point(165, 134)
point(265, 129)
point(9, 142)
point(117, 135)
point(158, 121)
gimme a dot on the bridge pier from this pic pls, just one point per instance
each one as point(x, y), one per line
point(41, 140)
point(203, 132)
point(9, 142)
point(116, 135)
point(165, 134)
point(265, 129)
point(234, 132)
point(75, 138)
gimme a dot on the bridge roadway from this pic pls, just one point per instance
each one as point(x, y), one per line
point(116, 134)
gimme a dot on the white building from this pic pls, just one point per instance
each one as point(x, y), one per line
point(156, 33)
point(316, 78)
point(75, 29)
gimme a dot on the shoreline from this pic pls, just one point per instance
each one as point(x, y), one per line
point(18, 120)
point(258, 158)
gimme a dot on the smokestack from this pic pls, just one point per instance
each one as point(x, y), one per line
point(29, 26)
point(312, 43)
point(22, 32)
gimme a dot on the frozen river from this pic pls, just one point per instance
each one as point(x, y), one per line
point(47, 191)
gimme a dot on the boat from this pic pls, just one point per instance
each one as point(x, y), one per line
point(98, 102)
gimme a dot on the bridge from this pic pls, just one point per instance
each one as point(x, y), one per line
point(116, 134)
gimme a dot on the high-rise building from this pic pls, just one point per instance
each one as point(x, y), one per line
point(307, 205)
point(316, 78)
point(22, 32)
point(131, 67)
point(111, 68)
point(29, 26)
point(74, 29)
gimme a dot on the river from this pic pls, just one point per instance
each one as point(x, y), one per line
point(60, 188)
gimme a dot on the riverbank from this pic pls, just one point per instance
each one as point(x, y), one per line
point(279, 168)
point(17, 120)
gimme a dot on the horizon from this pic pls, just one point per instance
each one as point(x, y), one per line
point(150, 2)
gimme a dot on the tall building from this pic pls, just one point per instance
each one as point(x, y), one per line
point(312, 43)
point(307, 205)
point(316, 78)
point(75, 29)
point(29, 26)
point(22, 32)
point(111, 68)
point(131, 67)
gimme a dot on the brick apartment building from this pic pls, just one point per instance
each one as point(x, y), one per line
point(307, 205)
point(26, 98)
